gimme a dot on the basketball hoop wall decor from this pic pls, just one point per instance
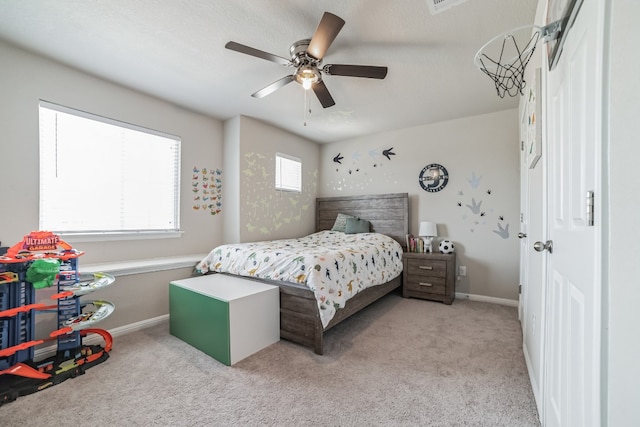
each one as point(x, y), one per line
point(564, 12)
point(505, 57)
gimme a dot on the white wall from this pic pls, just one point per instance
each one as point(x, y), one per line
point(24, 80)
point(259, 211)
point(623, 281)
point(231, 190)
point(481, 154)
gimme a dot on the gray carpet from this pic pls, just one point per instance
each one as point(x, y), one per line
point(400, 362)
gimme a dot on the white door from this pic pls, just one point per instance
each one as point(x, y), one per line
point(574, 117)
point(524, 215)
point(531, 263)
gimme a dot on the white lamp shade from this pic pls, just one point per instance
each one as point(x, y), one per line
point(428, 229)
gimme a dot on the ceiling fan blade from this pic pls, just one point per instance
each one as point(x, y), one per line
point(273, 87)
point(369, 71)
point(321, 91)
point(257, 53)
point(328, 28)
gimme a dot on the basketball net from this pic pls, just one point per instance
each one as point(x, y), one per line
point(507, 68)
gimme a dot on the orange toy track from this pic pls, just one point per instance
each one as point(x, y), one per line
point(23, 370)
point(24, 308)
point(106, 336)
point(6, 352)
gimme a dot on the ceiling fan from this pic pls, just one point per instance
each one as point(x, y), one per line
point(306, 58)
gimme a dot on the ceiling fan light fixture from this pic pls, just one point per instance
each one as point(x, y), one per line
point(307, 76)
point(308, 82)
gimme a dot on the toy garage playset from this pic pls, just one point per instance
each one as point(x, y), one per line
point(39, 261)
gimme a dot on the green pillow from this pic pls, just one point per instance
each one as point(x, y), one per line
point(357, 225)
point(341, 222)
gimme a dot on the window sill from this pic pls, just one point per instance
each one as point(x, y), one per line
point(144, 265)
point(106, 237)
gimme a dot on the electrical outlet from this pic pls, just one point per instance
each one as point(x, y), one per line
point(463, 270)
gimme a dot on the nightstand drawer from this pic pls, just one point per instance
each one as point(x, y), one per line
point(426, 267)
point(432, 285)
point(429, 276)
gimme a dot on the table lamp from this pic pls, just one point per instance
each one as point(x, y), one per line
point(428, 231)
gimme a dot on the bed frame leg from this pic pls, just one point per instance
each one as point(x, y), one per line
point(319, 338)
point(318, 348)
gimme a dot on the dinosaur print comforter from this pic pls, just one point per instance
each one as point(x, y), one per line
point(334, 265)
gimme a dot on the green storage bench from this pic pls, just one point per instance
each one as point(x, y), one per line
point(226, 317)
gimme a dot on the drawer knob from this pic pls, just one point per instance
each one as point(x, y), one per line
point(425, 267)
point(425, 284)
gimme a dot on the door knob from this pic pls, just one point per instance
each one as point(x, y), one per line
point(540, 247)
point(522, 235)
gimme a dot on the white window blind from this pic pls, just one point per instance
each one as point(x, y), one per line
point(288, 173)
point(100, 176)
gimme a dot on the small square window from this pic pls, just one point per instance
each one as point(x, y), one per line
point(288, 173)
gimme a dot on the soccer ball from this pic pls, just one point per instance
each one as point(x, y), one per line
point(446, 247)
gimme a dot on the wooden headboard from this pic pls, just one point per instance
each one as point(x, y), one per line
point(388, 213)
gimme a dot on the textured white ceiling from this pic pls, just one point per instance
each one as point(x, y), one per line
point(174, 49)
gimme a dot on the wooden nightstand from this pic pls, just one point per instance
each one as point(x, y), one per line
point(429, 276)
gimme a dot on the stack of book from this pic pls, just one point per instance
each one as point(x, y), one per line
point(415, 244)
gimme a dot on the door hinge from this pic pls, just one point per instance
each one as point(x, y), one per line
point(519, 289)
point(521, 145)
point(590, 208)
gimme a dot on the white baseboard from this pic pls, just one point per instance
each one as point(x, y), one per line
point(482, 298)
point(94, 339)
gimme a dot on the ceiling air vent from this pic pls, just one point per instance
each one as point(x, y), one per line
point(437, 6)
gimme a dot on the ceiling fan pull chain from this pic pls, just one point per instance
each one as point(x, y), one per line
point(305, 107)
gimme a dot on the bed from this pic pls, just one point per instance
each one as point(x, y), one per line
point(303, 319)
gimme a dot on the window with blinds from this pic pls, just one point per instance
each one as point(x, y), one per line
point(100, 176)
point(288, 173)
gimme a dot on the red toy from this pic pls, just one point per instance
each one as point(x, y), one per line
point(19, 374)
